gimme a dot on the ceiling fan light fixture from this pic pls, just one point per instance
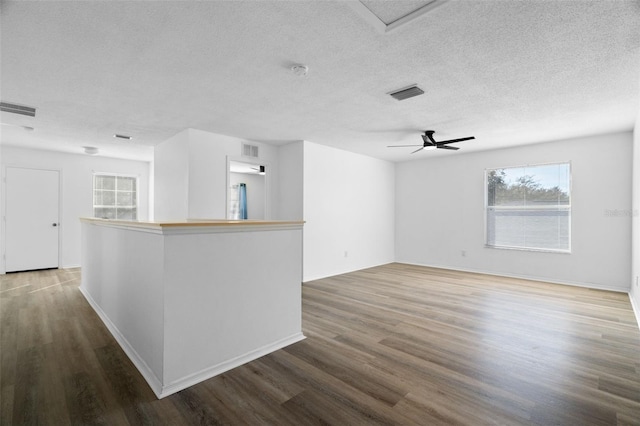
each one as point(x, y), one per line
point(429, 147)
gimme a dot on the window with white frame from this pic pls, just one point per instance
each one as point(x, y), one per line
point(115, 196)
point(529, 207)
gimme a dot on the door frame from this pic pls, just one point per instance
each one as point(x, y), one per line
point(3, 209)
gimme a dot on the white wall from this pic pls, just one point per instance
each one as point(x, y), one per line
point(206, 174)
point(123, 278)
point(171, 178)
point(440, 213)
point(348, 208)
point(290, 181)
point(635, 252)
point(77, 189)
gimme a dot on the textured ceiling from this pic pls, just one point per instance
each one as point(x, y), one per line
point(507, 72)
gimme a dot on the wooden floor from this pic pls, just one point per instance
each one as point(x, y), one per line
point(395, 344)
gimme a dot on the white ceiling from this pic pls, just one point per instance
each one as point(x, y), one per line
point(507, 72)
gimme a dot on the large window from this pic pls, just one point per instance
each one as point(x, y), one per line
point(115, 196)
point(529, 207)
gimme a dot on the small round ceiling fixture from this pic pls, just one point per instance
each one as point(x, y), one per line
point(91, 150)
point(300, 70)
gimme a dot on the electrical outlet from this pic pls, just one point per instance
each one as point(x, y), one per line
point(346, 254)
point(463, 253)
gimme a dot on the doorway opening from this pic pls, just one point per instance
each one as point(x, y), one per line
point(247, 190)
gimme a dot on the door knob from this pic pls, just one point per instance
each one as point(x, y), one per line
point(54, 224)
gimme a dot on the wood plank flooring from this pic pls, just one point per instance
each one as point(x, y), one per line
point(395, 344)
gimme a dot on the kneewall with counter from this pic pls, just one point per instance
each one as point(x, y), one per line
point(189, 301)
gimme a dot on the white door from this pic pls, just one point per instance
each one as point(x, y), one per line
point(32, 227)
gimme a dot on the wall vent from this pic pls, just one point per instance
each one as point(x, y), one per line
point(122, 137)
point(249, 150)
point(17, 109)
point(406, 93)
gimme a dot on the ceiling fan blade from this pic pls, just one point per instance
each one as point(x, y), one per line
point(430, 143)
point(455, 140)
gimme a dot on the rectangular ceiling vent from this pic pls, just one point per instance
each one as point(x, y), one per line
point(17, 109)
point(406, 93)
point(249, 150)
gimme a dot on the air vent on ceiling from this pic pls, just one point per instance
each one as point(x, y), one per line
point(406, 93)
point(249, 150)
point(122, 137)
point(17, 109)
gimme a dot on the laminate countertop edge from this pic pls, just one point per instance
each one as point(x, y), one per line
point(196, 225)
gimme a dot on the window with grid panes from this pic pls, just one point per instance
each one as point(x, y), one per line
point(115, 196)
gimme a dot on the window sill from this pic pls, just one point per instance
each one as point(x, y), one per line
point(539, 250)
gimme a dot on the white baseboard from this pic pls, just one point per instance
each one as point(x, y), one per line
point(72, 266)
point(143, 368)
point(307, 279)
point(227, 365)
point(162, 390)
point(636, 309)
point(521, 277)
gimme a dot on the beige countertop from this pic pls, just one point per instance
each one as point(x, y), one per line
point(192, 223)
